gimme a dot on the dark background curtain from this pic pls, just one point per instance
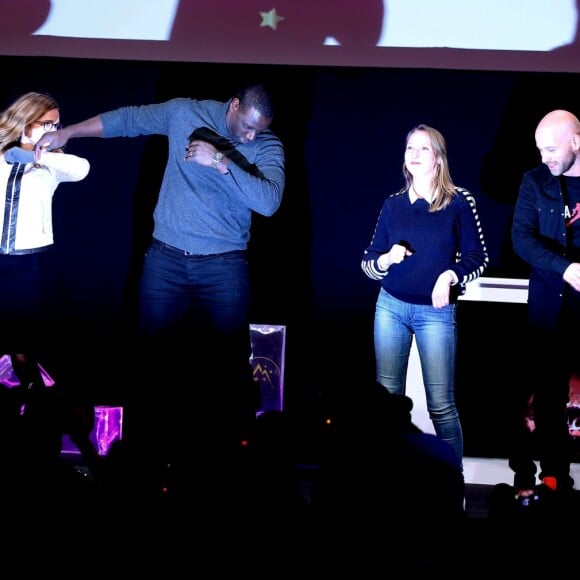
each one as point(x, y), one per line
point(343, 129)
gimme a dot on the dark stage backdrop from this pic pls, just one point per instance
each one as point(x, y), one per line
point(343, 128)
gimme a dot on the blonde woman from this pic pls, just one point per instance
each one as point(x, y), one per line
point(27, 186)
point(427, 244)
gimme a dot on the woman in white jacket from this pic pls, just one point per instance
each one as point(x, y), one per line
point(27, 187)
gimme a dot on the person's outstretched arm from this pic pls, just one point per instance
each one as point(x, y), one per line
point(92, 127)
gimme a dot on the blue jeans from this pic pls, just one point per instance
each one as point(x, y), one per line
point(435, 331)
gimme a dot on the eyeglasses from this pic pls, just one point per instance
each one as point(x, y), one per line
point(49, 125)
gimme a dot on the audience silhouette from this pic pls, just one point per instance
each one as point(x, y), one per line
point(380, 491)
point(386, 486)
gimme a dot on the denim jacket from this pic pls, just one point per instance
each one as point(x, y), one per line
point(539, 238)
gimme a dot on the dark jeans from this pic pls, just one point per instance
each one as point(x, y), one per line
point(552, 357)
point(194, 324)
point(187, 292)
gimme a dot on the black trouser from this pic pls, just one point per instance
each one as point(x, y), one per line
point(552, 357)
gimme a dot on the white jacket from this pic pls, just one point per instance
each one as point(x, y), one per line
point(26, 208)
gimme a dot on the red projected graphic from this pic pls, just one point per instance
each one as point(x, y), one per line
point(384, 33)
point(22, 18)
point(574, 406)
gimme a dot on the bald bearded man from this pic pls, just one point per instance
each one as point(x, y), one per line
point(546, 235)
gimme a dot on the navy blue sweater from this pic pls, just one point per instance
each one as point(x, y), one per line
point(448, 239)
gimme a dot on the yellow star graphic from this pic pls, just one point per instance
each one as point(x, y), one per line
point(270, 19)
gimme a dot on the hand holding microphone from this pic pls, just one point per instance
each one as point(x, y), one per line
point(401, 251)
point(396, 254)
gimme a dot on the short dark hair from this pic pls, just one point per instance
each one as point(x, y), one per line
point(256, 96)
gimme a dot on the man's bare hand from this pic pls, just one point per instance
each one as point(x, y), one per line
point(572, 275)
point(201, 152)
point(49, 141)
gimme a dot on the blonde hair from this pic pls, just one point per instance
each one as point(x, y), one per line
point(443, 187)
point(27, 109)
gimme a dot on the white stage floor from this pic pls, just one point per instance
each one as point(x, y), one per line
point(490, 471)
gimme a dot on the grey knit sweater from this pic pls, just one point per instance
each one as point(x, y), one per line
point(199, 210)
